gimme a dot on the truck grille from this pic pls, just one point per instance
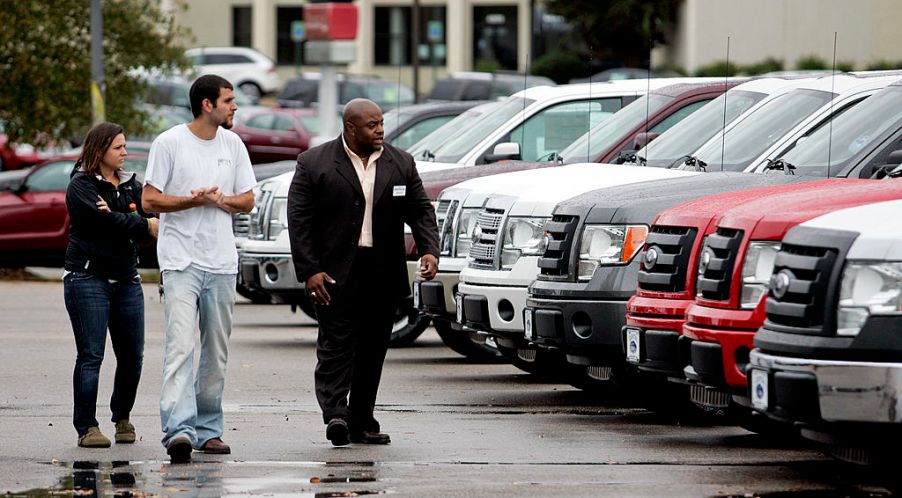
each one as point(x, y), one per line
point(673, 247)
point(555, 262)
point(444, 215)
point(240, 224)
point(805, 271)
point(256, 228)
point(486, 238)
point(715, 278)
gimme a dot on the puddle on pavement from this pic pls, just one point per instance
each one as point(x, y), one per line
point(814, 493)
point(199, 478)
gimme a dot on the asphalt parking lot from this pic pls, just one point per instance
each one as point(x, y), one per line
point(458, 429)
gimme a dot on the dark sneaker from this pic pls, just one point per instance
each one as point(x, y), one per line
point(215, 446)
point(125, 432)
point(93, 439)
point(337, 432)
point(179, 450)
point(367, 437)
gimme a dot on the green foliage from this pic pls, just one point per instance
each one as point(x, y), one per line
point(845, 66)
point(619, 30)
point(767, 65)
point(487, 65)
point(717, 68)
point(45, 66)
point(883, 65)
point(807, 62)
point(559, 65)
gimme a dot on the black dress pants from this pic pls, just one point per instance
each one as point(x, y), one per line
point(354, 330)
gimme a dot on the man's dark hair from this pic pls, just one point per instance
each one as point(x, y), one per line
point(206, 87)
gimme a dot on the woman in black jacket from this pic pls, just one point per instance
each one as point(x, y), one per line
point(102, 287)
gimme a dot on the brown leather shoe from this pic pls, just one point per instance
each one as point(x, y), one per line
point(215, 446)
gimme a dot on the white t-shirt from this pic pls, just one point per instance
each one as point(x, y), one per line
point(180, 162)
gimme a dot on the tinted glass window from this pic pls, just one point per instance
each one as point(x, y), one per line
point(418, 131)
point(51, 177)
point(260, 122)
point(310, 123)
point(226, 59)
point(282, 122)
point(472, 133)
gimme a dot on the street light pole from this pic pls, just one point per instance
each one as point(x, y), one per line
point(97, 86)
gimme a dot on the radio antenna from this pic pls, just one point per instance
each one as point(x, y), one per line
point(523, 125)
point(589, 113)
point(832, 100)
point(647, 96)
point(723, 134)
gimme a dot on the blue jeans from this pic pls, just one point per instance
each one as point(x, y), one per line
point(95, 304)
point(189, 406)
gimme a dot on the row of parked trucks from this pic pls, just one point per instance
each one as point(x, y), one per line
point(733, 250)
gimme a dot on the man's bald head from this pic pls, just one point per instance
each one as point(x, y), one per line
point(363, 131)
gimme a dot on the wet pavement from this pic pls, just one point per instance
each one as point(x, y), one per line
point(458, 429)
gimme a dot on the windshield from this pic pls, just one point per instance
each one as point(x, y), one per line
point(597, 140)
point(434, 140)
point(691, 133)
point(388, 93)
point(468, 137)
point(757, 132)
point(393, 119)
point(837, 143)
point(310, 123)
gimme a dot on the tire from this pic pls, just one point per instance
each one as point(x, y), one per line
point(460, 343)
point(409, 324)
point(252, 90)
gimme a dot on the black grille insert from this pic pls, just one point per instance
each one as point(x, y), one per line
point(666, 258)
point(799, 289)
point(561, 230)
point(717, 261)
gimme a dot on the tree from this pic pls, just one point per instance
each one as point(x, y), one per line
point(45, 66)
point(621, 30)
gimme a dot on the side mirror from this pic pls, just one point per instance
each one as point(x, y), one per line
point(506, 151)
point(642, 139)
point(894, 157)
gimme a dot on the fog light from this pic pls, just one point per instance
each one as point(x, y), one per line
point(272, 273)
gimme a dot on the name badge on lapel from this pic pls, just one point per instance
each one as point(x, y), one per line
point(399, 191)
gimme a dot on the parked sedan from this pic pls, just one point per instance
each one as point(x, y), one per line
point(34, 223)
point(277, 134)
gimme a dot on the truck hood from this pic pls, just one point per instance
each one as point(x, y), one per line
point(770, 217)
point(436, 180)
point(549, 186)
point(640, 203)
point(879, 227)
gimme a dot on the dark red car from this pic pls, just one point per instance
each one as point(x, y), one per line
point(34, 223)
point(277, 134)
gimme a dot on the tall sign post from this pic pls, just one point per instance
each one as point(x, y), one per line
point(297, 36)
point(330, 30)
point(435, 33)
point(97, 86)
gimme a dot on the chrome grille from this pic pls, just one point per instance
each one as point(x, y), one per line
point(444, 213)
point(241, 224)
point(486, 238)
point(673, 247)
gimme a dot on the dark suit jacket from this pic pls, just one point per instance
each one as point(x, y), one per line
point(325, 214)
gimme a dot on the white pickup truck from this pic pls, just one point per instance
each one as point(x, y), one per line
point(829, 359)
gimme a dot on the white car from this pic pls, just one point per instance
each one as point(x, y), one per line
point(252, 72)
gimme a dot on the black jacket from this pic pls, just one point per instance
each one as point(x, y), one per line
point(325, 214)
point(104, 244)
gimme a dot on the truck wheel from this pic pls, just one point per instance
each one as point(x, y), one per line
point(409, 324)
point(251, 90)
point(460, 343)
point(256, 297)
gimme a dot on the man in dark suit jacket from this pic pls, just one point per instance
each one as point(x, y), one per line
point(347, 206)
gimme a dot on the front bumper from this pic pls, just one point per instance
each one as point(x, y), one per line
point(587, 331)
point(495, 311)
point(718, 357)
point(807, 390)
point(651, 337)
point(269, 272)
point(436, 297)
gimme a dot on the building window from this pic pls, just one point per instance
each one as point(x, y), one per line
point(394, 40)
point(285, 48)
point(494, 38)
point(241, 26)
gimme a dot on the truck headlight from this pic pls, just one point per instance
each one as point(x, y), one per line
point(606, 245)
point(868, 288)
point(757, 268)
point(463, 237)
point(278, 217)
point(523, 236)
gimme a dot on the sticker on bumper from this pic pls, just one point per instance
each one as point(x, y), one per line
point(633, 346)
point(759, 389)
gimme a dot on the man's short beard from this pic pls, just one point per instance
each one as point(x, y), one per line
point(227, 125)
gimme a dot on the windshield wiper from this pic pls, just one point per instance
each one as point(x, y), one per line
point(629, 157)
point(787, 167)
point(428, 155)
point(692, 161)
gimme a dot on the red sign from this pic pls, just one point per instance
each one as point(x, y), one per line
point(330, 21)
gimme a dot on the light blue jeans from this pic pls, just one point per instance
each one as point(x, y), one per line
point(192, 406)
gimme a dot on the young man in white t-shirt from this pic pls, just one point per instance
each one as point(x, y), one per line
point(198, 174)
